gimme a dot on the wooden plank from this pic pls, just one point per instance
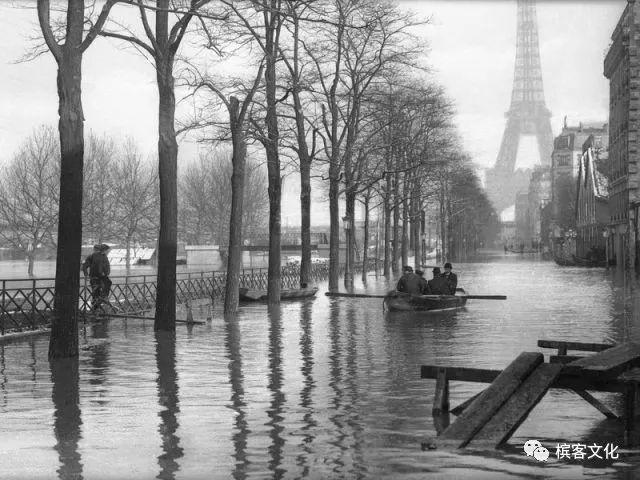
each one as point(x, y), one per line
point(564, 359)
point(518, 406)
point(609, 362)
point(564, 381)
point(460, 408)
point(462, 374)
point(485, 406)
point(441, 397)
point(596, 403)
point(585, 347)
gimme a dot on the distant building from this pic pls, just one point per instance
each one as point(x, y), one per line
point(539, 196)
point(565, 163)
point(592, 202)
point(523, 233)
point(622, 68)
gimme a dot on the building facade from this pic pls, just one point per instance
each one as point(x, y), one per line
point(592, 202)
point(565, 163)
point(539, 196)
point(621, 67)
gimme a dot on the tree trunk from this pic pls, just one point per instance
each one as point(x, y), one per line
point(305, 188)
point(387, 236)
point(305, 219)
point(64, 326)
point(417, 242)
point(404, 247)
point(273, 171)
point(396, 225)
point(165, 318)
point(350, 208)
point(334, 229)
point(31, 257)
point(365, 242)
point(128, 254)
point(238, 159)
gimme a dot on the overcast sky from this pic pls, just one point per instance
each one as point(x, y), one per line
point(472, 53)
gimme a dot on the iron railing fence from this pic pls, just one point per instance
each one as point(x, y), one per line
point(27, 304)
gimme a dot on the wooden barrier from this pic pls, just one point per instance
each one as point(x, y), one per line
point(494, 414)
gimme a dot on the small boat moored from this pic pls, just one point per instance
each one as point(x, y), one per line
point(249, 295)
point(396, 301)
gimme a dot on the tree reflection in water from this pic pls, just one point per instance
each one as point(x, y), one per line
point(66, 417)
point(306, 353)
point(168, 398)
point(353, 418)
point(277, 395)
point(236, 378)
point(99, 361)
point(335, 382)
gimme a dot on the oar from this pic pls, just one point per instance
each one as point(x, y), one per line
point(353, 295)
point(366, 295)
point(485, 297)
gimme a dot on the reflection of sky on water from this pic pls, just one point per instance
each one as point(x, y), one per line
point(328, 388)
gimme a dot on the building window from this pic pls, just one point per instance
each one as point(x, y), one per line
point(564, 160)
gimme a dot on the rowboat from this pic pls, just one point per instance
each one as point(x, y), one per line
point(249, 295)
point(396, 301)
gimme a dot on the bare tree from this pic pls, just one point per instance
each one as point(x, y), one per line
point(238, 101)
point(161, 47)
point(29, 194)
point(135, 185)
point(208, 202)
point(67, 45)
point(98, 199)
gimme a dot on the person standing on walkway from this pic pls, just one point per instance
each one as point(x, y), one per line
point(96, 266)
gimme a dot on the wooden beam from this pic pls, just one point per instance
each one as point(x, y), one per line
point(610, 362)
point(441, 397)
point(585, 347)
point(460, 408)
point(518, 406)
point(596, 403)
point(564, 359)
point(486, 405)
point(462, 374)
point(564, 381)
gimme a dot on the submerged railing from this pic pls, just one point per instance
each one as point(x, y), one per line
point(27, 304)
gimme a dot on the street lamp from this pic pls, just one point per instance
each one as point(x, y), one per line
point(348, 277)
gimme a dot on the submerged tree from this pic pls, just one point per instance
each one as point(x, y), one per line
point(161, 47)
point(135, 187)
point(98, 199)
point(67, 44)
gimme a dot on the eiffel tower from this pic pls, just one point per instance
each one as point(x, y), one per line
point(527, 114)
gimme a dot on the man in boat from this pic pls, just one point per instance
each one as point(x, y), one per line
point(409, 282)
point(96, 266)
point(438, 284)
point(451, 278)
point(424, 285)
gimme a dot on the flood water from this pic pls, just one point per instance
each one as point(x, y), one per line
point(326, 388)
